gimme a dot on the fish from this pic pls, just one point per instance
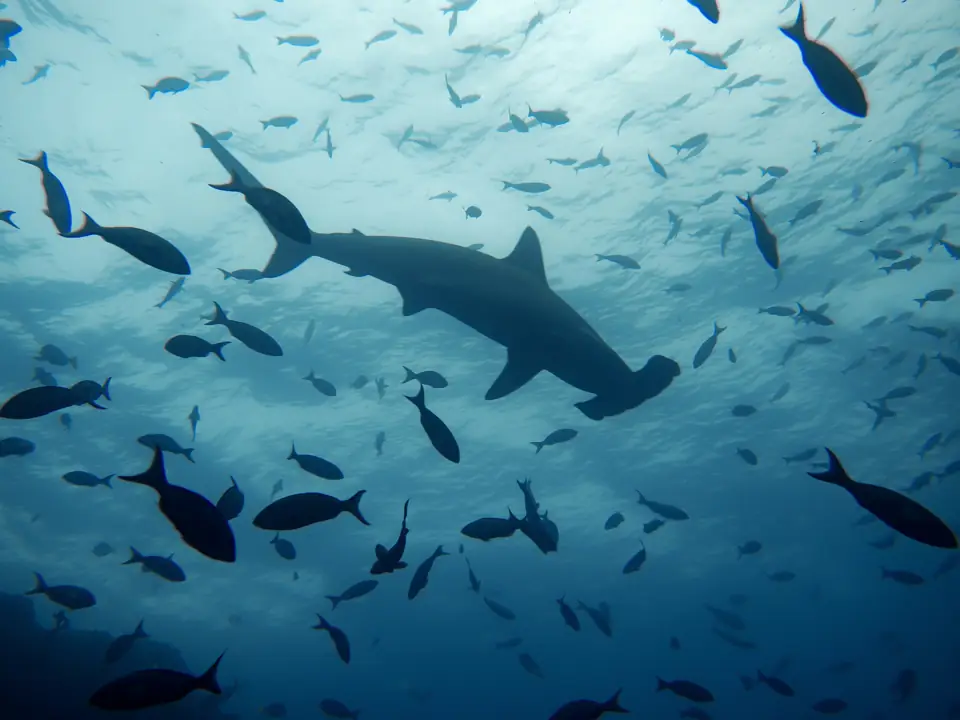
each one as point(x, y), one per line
point(389, 560)
point(200, 524)
point(535, 312)
point(553, 118)
point(751, 547)
point(251, 275)
point(685, 689)
point(16, 447)
point(624, 261)
point(284, 548)
point(657, 167)
point(231, 501)
point(81, 478)
point(541, 211)
point(155, 686)
point(709, 59)
point(815, 317)
point(499, 610)
point(251, 336)
point(165, 443)
point(935, 296)
point(191, 346)
point(276, 210)
point(526, 187)
point(625, 119)
point(355, 591)
point(430, 378)
point(589, 709)
point(743, 410)
point(213, 76)
point(636, 561)
point(422, 574)
point(58, 204)
point(707, 8)
point(600, 160)
point(380, 37)
point(448, 195)
point(379, 441)
point(298, 40)
point(807, 211)
point(175, 287)
point(652, 526)
point(122, 644)
point(160, 566)
point(322, 386)
point(834, 78)
point(489, 528)
point(613, 521)
point(775, 684)
point(706, 348)
point(569, 616)
point(281, 121)
point(903, 577)
point(600, 616)
point(194, 418)
point(747, 455)
point(315, 465)
point(670, 512)
point(894, 509)
point(555, 438)
point(358, 98)
point(408, 27)
point(765, 239)
point(473, 212)
point(251, 16)
point(300, 510)
point(72, 597)
point(166, 86)
point(691, 143)
point(437, 431)
point(145, 246)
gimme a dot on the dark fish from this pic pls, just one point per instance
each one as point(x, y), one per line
point(194, 418)
point(636, 562)
point(159, 565)
point(509, 644)
point(197, 520)
point(899, 512)
point(555, 438)
point(589, 709)
point(836, 81)
point(568, 615)
point(685, 689)
point(253, 337)
point(122, 644)
point(145, 246)
point(743, 410)
point(801, 456)
point(670, 512)
point(55, 356)
point(775, 684)
point(782, 576)
point(613, 521)
point(473, 212)
point(499, 610)
point(781, 392)
point(599, 615)
point(422, 574)
point(335, 708)
point(357, 590)
point(165, 443)
point(71, 597)
point(156, 686)
point(102, 549)
point(58, 204)
point(231, 502)
point(322, 386)
point(652, 526)
point(530, 665)
point(391, 559)
point(749, 457)
point(276, 210)
point(339, 637)
point(903, 577)
point(44, 377)
point(15, 446)
point(191, 346)
point(731, 355)
point(706, 348)
point(623, 261)
point(430, 378)
point(727, 618)
point(378, 442)
point(284, 548)
point(487, 529)
point(439, 434)
point(360, 382)
point(751, 547)
point(471, 575)
point(298, 511)
point(37, 402)
point(315, 465)
point(707, 8)
point(175, 287)
point(765, 239)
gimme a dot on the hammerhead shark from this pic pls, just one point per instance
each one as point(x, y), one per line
point(508, 300)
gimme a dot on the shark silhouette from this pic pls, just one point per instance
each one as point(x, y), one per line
point(508, 300)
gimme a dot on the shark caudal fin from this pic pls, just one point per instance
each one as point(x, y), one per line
point(288, 254)
point(648, 382)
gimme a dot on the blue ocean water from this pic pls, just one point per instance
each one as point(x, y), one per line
point(384, 122)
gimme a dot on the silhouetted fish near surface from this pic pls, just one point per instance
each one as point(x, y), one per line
point(743, 410)
point(589, 709)
point(165, 443)
point(175, 287)
point(159, 565)
point(298, 511)
point(16, 447)
point(231, 502)
point(145, 246)
point(899, 512)
point(836, 81)
point(600, 616)
point(198, 521)
point(765, 239)
point(389, 560)
point(748, 456)
point(421, 575)
point(706, 348)
point(489, 528)
point(191, 346)
point(276, 210)
point(72, 597)
point(751, 547)
point(357, 590)
point(284, 548)
point(55, 356)
point(624, 261)
point(340, 641)
point(334, 708)
point(251, 336)
point(156, 686)
point(86, 479)
point(613, 521)
point(685, 689)
point(568, 615)
point(670, 512)
point(58, 204)
point(439, 434)
point(636, 561)
point(322, 386)
point(37, 402)
point(499, 610)
point(707, 8)
point(122, 644)
point(315, 465)
point(430, 378)
point(555, 438)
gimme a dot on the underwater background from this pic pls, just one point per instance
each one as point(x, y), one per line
point(835, 625)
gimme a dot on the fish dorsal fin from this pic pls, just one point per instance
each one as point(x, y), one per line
point(528, 256)
point(519, 370)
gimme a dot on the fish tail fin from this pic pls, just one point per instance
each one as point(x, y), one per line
point(154, 476)
point(151, 91)
point(218, 349)
point(273, 540)
point(640, 498)
point(188, 454)
point(419, 399)
point(310, 376)
point(920, 301)
point(717, 330)
point(352, 506)
point(105, 388)
point(40, 161)
point(613, 704)
point(661, 683)
point(87, 228)
point(440, 552)
point(834, 474)
point(135, 557)
point(335, 599)
point(233, 185)
point(226, 275)
point(73, 363)
point(506, 185)
point(208, 681)
point(106, 481)
point(41, 586)
point(322, 624)
point(139, 631)
point(219, 316)
point(538, 446)
point(798, 31)
point(293, 452)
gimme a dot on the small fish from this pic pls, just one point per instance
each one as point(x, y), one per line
point(251, 336)
point(357, 99)
point(82, 478)
point(175, 287)
point(555, 438)
point(569, 616)
point(71, 597)
point(487, 529)
point(281, 121)
point(439, 434)
point(430, 378)
point(156, 686)
point(166, 86)
point(685, 689)
point(245, 58)
point(706, 348)
point(566, 162)
point(657, 167)
point(448, 195)
point(39, 73)
point(412, 29)
point(625, 119)
point(310, 56)
point(935, 296)
point(380, 37)
point(613, 521)
point(709, 59)
point(284, 548)
point(652, 526)
point(765, 239)
point(122, 644)
point(541, 211)
point(357, 590)
point(303, 509)
point(298, 40)
point(145, 246)
point(747, 455)
point(600, 160)
point(775, 684)
point(526, 187)
point(231, 501)
point(340, 640)
point(160, 566)
point(58, 204)
point(421, 575)
point(191, 346)
point(808, 210)
point(624, 261)
point(251, 16)
point(637, 560)
point(553, 118)
point(213, 76)
point(315, 465)
point(743, 410)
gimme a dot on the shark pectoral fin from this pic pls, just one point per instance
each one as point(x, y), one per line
point(520, 370)
point(381, 552)
point(412, 303)
point(528, 256)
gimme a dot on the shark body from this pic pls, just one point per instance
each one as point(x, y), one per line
point(507, 300)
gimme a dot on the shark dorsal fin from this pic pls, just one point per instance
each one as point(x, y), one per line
point(356, 232)
point(528, 256)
